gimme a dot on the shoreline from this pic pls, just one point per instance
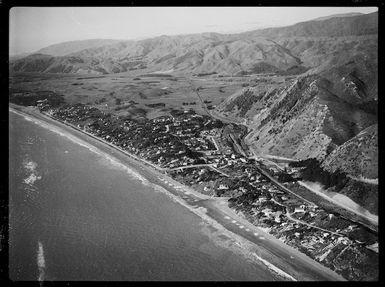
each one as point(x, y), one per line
point(217, 206)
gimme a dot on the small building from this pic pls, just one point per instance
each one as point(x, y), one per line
point(223, 186)
point(298, 210)
point(325, 234)
point(262, 199)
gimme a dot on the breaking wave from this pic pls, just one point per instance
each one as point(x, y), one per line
point(32, 172)
point(41, 261)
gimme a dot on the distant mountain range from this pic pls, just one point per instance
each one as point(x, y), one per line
point(338, 15)
point(299, 47)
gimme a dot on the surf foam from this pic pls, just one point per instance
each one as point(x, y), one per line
point(41, 261)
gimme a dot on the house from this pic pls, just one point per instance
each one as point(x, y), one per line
point(223, 186)
point(242, 189)
point(325, 234)
point(298, 209)
point(262, 199)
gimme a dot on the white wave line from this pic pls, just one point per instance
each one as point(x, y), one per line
point(275, 268)
point(41, 261)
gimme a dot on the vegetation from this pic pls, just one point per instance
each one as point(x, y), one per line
point(156, 105)
point(31, 99)
point(314, 172)
point(290, 105)
point(244, 102)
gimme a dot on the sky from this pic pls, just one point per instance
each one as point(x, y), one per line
point(33, 28)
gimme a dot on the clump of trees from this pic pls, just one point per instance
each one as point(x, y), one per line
point(244, 102)
point(31, 99)
point(295, 100)
point(156, 105)
point(205, 74)
point(314, 172)
point(284, 177)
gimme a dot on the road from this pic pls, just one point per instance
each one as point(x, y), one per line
point(282, 187)
point(239, 148)
point(214, 141)
point(189, 166)
point(200, 99)
point(312, 226)
point(289, 216)
point(198, 165)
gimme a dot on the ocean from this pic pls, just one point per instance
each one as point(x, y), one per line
point(75, 215)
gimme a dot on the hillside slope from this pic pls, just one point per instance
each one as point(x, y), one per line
point(300, 119)
point(357, 156)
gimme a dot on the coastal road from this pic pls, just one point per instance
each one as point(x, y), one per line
point(198, 165)
point(290, 261)
point(279, 185)
point(290, 217)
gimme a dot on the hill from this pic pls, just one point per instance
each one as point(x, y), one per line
point(62, 49)
point(357, 156)
point(338, 15)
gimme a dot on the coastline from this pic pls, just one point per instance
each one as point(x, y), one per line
point(294, 261)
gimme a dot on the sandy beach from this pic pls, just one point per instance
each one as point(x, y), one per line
point(287, 262)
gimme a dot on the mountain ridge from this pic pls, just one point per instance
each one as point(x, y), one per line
point(205, 52)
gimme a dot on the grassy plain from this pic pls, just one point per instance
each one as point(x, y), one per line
point(130, 93)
